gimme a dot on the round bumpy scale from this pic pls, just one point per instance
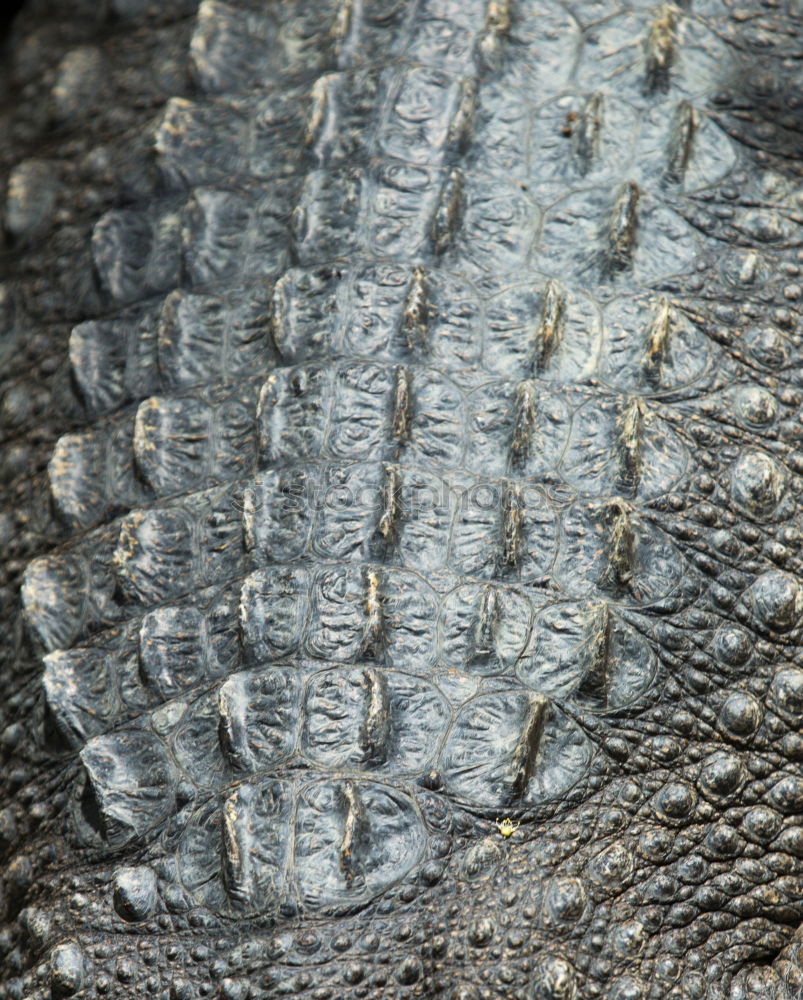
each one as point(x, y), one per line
point(675, 801)
point(135, 893)
point(627, 988)
point(553, 979)
point(721, 775)
point(757, 406)
point(612, 868)
point(66, 969)
point(722, 842)
point(481, 858)
point(564, 901)
point(786, 694)
point(768, 346)
point(629, 938)
point(740, 715)
point(761, 824)
point(481, 932)
point(777, 600)
point(787, 794)
point(732, 646)
point(757, 483)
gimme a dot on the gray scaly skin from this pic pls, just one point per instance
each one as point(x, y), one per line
point(401, 452)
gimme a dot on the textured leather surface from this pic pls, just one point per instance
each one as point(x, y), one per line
point(401, 435)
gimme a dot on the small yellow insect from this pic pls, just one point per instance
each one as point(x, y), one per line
point(507, 827)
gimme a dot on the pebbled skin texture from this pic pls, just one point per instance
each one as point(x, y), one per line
point(401, 458)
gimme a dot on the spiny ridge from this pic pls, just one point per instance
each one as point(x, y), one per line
point(586, 133)
point(446, 220)
point(595, 654)
point(233, 724)
point(624, 227)
point(320, 111)
point(346, 30)
point(496, 28)
point(681, 141)
point(550, 328)
point(417, 311)
point(461, 126)
point(619, 553)
point(375, 727)
point(388, 526)
point(374, 637)
point(512, 518)
point(524, 423)
point(629, 435)
point(657, 346)
point(485, 629)
point(525, 755)
point(355, 827)
point(402, 406)
point(236, 833)
point(660, 45)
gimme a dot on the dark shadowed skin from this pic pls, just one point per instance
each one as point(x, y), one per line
point(401, 451)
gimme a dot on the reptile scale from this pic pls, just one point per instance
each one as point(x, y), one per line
point(401, 454)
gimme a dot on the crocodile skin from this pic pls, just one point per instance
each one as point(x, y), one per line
point(401, 450)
